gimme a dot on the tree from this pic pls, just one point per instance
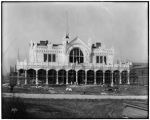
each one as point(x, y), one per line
point(13, 81)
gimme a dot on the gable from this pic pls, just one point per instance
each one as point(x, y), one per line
point(77, 41)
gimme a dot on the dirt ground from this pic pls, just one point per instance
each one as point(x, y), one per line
point(54, 108)
point(80, 89)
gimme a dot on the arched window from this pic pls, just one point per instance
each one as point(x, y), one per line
point(76, 55)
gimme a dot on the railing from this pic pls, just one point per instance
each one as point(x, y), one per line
point(24, 65)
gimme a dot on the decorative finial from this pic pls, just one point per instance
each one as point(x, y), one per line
point(67, 26)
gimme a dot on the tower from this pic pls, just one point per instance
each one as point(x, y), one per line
point(66, 38)
point(67, 26)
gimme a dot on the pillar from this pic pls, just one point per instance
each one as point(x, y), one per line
point(120, 81)
point(67, 77)
point(103, 77)
point(57, 77)
point(103, 60)
point(85, 77)
point(128, 79)
point(46, 77)
point(18, 82)
point(94, 77)
point(76, 78)
point(25, 81)
point(36, 81)
point(112, 82)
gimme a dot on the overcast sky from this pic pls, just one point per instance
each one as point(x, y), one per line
point(121, 25)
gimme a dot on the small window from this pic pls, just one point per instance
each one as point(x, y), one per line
point(54, 58)
point(49, 57)
point(81, 60)
point(101, 59)
point(97, 59)
point(105, 59)
point(45, 57)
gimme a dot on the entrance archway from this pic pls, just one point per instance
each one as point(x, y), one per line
point(90, 77)
point(124, 77)
point(52, 76)
point(21, 76)
point(81, 77)
point(116, 75)
point(31, 76)
point(42, 76)
point(99, 77)
point(71, 76)
point(62, 76)
point(108, 77)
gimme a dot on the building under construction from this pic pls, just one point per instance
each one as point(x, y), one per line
point(72, 62)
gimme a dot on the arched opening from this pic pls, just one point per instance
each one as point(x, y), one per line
point(21, 72)
point(133, 77)
point(108, 77)
point(41, 76)
point(116, 75)
point(31, 76)
point(62, 77)
point(52, 76)
point(71, 76)
point(99, 77)
point(21, 76)
point(90, 77)
point(76, 55)
point(81, 77)
point(124, 77)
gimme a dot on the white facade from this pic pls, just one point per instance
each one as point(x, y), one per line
point(71, 54)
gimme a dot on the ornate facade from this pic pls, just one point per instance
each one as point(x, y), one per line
point(72, 62)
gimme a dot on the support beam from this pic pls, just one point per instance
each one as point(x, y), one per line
point(128, 79)
point(76, 78)
point(94, 77)
point(85, 77)
point(25, 81)
point(18, 82)
point(103, 77)
point(120, 80)
point(46, 77)
point(57, 77)
point(67, 77)
point(36, 81)
point(112, 82)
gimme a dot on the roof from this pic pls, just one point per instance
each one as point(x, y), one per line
point(56, 44)
point(139, 65)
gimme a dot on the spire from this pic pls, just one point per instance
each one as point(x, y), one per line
point(67, 25)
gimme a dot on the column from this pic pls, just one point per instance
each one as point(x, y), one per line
point(94, 77)
point(57, 77)
point(18, 82)
point(76, 78)
point(36, 81)
point(120, 81)
point(73, 56)
point(85, 77)
point(46, 77)
point(25, 81)
point(67, 77)
point(103, 59)
point(128, 79)
point(103, 77)
point(112, 82)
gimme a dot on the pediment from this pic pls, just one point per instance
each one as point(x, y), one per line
point(77, 41)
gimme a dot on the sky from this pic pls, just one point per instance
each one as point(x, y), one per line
point(121, 25)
